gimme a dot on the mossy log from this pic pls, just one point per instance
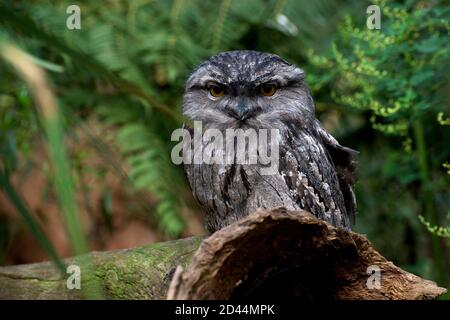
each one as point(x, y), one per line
point(276, 253)
point(136, 273)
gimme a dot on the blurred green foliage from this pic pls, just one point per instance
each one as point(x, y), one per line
point(378, 91)
point(399, 76)
point(128, 64)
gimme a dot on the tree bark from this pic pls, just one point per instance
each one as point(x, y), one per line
point(136, 273)
point(275, 253)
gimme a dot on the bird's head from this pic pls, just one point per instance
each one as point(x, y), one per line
point(247, 89)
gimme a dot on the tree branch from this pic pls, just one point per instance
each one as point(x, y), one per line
point(271, 253)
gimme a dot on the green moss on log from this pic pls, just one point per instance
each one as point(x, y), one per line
point(138, 273)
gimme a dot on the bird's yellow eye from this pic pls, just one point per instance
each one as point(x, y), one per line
point(268, 89)
point(216, 91)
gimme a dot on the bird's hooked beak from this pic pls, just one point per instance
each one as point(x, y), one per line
point(243, 111)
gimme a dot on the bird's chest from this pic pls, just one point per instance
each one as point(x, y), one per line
point(239, 189)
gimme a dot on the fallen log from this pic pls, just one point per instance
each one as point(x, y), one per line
point(271, 253)
point(136, 273)
point(285, 255)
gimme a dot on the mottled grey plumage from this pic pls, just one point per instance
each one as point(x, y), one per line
point(315, 172)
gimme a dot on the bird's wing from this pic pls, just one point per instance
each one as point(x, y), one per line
point(344, 160)
point(312, 178)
